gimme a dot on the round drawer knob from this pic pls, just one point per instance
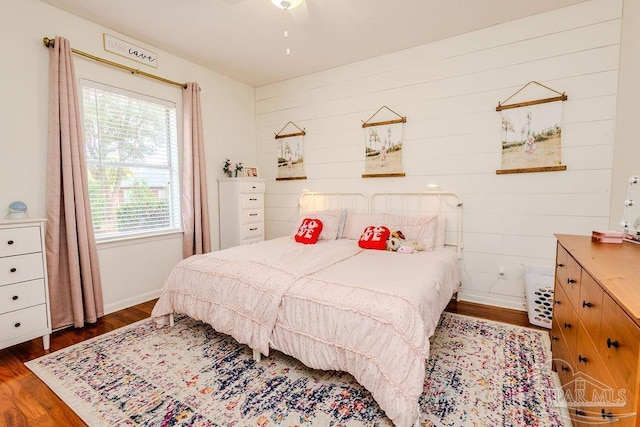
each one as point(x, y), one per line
point(606, 414)
point(571, 281)
point(567, 325)
point(17, 325)
point(15, 297)
point(564, 368)
point(580, 413)
point(10, 242)
point(612, 343)
point(555, 338)
point(582, 359)
point(586, 304)
point(13, 269)
point(560, 265)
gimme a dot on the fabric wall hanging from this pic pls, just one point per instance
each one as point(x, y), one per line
point(531, 132)
point(383, 145)
point(290, 153)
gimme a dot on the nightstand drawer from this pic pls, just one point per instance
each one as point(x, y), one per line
point(19, 240)
point(253, 187)
point(251, 201)
point(21, 268)
point(251, 230)
point(21, 295)
point(23, 322)
point(252, 215)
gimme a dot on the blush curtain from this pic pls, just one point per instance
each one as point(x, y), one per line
point(194, 205)
point(75, 288)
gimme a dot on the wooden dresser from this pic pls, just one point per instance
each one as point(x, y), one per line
point(24, 293)
point(595, 337)
point(241, 204)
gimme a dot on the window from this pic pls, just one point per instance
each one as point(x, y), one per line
point(132, 155)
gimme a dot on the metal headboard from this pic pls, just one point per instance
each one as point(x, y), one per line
point(424, 203)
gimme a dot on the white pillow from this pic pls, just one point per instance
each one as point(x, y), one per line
point(332, 222)
point(415, 228)
point(356, 223)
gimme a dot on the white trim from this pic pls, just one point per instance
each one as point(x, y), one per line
point(130, 302)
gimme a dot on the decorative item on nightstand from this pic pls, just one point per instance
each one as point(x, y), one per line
point(232, 168)
point(17, 210)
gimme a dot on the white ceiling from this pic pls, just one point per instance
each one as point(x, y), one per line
point(244, 39)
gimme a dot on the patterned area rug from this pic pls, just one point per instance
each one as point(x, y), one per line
point(479, 373)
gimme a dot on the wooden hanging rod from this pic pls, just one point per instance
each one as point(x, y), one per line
point(50, 43)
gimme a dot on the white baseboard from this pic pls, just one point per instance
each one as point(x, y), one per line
point(495, 300)
point(130, 302)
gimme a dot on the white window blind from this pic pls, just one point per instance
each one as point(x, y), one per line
point(132, 162)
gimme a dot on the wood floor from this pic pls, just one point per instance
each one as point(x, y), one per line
point(27, 401)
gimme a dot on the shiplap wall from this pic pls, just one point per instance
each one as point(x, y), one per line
point(448, 90)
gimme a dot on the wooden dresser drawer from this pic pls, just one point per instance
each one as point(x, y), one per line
point(19, 240)
point(567, 319)
point(21, 268)
point(21, 295)
point(561, 264)
point(251, 201)
point(23, 322)
point(590, 305)
point(572, 284)
point(562, 360)
point(589, 362)
point(619, 345)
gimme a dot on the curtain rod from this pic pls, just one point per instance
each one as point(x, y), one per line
point(50, 43)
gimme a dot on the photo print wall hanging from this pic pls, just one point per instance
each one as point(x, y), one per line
point(531, 133)
point(290, 153)
point(383, 145)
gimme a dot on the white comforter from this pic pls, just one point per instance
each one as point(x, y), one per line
point(330, 305)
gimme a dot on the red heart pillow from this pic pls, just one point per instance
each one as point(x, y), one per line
point(374, 237)
point(309, 231)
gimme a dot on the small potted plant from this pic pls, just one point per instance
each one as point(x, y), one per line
point(232, 168)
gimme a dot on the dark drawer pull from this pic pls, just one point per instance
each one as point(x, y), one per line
point(253, 229)
point(17, 325)
point(253, 200)
point(586, 304)
point(557, 302)
point(571, 281)
point(564, 368)
point(582, 359)
point(567, 325)
point(253, 214)
point(580, 413)
point(13, 269)
point(15, 297)
point(10, 242)
point(554, 338)
point(254, 187)
point(561, 265)
point(612, 343)
point(606, 414)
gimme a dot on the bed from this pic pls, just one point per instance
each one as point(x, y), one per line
point(334, 305)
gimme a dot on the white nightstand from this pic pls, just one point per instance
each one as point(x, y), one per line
point(24, 291)
point(241, 204)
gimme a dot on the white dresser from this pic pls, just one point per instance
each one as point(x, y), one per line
point(24, 292)
point(241, 204)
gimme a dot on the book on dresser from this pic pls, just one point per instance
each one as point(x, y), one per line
point(595, 334)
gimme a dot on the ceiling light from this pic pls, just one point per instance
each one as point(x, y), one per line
point(287, 4)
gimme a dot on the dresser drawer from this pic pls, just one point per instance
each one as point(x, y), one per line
point(19, 240)
point(251, 230)
point(23, 322)
point(619, 344)
point(590, 305)
point(21, 268)
point(21, 295)
point(251, 201)
point(573, 281)
point(562, 359)
point(252, 187)
point(252, 215)
point(588, 361)
point(567, 319)
point(561, 264)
